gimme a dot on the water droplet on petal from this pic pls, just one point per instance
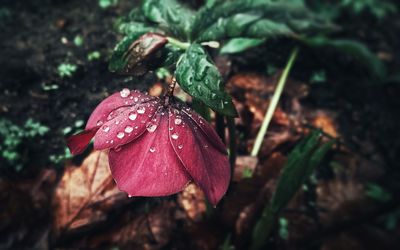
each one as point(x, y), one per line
point(106, 128)
point(128, 129)
point(135, 99)
point(206, 146)
point(99, 123)
point(151, 127)
point(141, 110)
point(120, 135)
point(117, 149)
point(171, 128)
point(175, 136)
point(178, 121)
point(125, 92)
point(180, 146)
point(132, 116)
point(152, 149)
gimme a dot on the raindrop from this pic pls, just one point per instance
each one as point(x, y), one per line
point(106, 128)
point(120, 135)
point(174, 136)
point(180, 146)
point(178, 121)
point(125, 92)
point(132, 116)
point(135, 99)
point(128, 129)
point(152, 149)
point(213, 96)
point(117, 122)
point(151, 127)
point(141, 110)
point(99, 123)
point(112, 141)
point(171, 128)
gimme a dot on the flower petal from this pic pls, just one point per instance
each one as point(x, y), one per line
point(203, 160)
point(124, 98)
point(209, 131)
point(79, 142)
point(128, 125)
point(149, 165)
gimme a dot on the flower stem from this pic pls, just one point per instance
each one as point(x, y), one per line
point(177, 43)
point(232, 143)
point(273, 103)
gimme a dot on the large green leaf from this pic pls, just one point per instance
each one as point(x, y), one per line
point(170, 15)
point(353, 48)
point(255, 19)
point(200, 78)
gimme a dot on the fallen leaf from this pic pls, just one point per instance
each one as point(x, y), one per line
point(85, 194)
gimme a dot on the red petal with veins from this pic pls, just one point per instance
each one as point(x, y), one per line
point(200, 153)
point(126, 126)
point(209, 131)
point(124, 98)
point(149, 166)
point(79, 142)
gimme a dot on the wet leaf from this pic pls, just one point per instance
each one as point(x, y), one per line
point(200, 78)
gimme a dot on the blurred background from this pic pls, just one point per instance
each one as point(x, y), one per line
point(54, 71)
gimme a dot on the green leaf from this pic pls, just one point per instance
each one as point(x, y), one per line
point(255, 19)
point(301, 161)
point(134, 27)
point(170, 15)
point(353, 48)
point(237, 45)
point(200, 78)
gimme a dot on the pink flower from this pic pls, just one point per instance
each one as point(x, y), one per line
point(156, 148)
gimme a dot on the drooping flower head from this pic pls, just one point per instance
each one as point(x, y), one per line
point(156, 147)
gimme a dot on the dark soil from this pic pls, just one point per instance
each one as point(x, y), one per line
point(38, 36)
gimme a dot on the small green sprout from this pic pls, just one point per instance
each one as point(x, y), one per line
point(66, 69)
point(94, 55)
point(78, 40)
point(104, 4)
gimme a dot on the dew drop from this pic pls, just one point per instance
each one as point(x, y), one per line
point(141, 110)
point(151, 127)
point(132, 116)
point(99, 123)
point(125, 92)
point(128, 129)
point(171, 128)
point(120, 135)
point(175, 136)
point(152, 149)
point(135, 99)
point(178, 121)
point(180, 146)
point(106, 128)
